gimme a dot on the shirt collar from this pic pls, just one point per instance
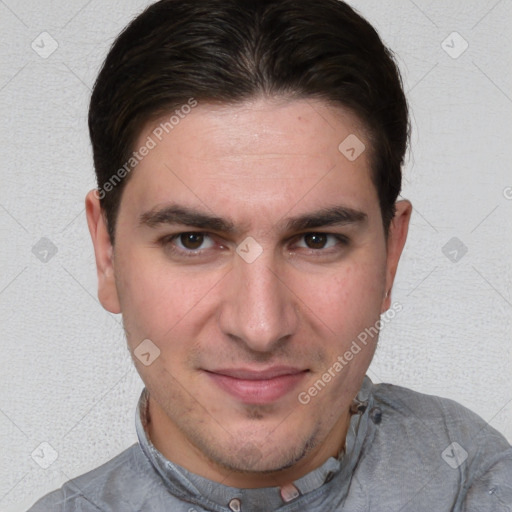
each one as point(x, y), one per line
point(186, 485)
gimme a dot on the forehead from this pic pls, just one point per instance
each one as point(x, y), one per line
point(270, 154)
point(259, 128)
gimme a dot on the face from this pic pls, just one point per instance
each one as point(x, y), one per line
point(251, 252)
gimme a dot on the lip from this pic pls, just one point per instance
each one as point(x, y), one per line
point(257, 386)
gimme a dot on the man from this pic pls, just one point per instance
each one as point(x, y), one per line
point(246, 225)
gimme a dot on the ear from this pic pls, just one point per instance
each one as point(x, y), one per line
point(103, 252)
point(395, 243)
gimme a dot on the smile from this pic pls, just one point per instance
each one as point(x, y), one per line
point(257, 387)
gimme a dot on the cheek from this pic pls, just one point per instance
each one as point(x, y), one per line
point(348, 292)
point(157, 300)
point(151, 299)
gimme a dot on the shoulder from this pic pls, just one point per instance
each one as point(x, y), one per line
point(91, 491)
point(434, 416)
point(437, 447)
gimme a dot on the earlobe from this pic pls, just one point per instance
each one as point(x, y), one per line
point(396, 240)
point(103, 252)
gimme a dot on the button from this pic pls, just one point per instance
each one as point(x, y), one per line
point(358, 407)
point(376, 415)
point(289, 492)
point(235, 505)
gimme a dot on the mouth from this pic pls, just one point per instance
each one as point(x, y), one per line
point(257, 387)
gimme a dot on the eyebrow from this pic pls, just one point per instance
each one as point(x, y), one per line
point(176, 214)
point(334, 216)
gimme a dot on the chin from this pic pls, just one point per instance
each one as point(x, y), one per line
point(270, 458)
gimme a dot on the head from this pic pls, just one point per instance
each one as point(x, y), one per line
point(248, 157)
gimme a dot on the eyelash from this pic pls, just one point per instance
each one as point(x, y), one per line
point(167, 243)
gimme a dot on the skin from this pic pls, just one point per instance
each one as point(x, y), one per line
point(300, 303)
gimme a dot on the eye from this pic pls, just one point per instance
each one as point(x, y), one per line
point(321, 240)
point(191, 241)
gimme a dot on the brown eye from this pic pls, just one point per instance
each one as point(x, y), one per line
point(188, 243)
point(315, 240)
point(192, 241)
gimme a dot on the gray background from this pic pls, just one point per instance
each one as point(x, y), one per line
point(67, 378)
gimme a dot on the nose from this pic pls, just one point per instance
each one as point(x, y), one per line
point(259, 308)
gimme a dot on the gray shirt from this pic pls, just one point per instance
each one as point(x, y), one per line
point(404, 451)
